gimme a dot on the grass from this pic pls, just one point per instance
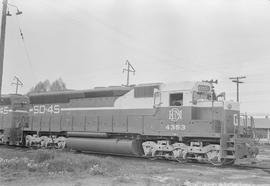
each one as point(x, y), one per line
point(16, 164)
point(123, 180)
point(52, 163)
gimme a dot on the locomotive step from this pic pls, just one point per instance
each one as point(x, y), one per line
point(230, 149)
point(229, 157)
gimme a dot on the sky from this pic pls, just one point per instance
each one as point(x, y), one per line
point(87, 43)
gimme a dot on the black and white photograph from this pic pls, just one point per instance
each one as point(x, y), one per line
point(135, 93)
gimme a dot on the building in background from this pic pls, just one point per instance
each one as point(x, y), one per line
point(262, 129)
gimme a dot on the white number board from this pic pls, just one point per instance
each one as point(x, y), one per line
point(4, 110)
point(175, 127)
point(42, 109)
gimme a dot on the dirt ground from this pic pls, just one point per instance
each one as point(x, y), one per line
point(126, 171)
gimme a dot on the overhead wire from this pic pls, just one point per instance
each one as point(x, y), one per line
point(26, 48)
point(175, 60)
point(141, 46)
point(153, 52)
point(199, 67)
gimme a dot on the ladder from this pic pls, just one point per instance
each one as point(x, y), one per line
point(228, 146)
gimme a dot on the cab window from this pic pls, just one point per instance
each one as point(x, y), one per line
point(21, 105)
point(176, 99)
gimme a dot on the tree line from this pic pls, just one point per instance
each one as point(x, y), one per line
point(47, 86)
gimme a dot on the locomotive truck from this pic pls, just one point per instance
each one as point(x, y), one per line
point(183, 121)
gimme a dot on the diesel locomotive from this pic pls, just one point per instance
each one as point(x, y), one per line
point(184, 121)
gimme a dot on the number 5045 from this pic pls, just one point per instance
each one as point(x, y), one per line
point(42, 109)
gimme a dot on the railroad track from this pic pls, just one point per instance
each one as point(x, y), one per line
point(250, 167)
point(264, 168)
point(234, 166)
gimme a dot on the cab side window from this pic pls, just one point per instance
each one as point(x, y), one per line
point(176, 99)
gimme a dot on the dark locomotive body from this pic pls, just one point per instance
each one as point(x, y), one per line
point(178, 121)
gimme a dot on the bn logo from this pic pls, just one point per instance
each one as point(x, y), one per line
point(175, 114)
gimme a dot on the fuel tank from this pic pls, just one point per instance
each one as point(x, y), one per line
point(87, 134)
point(106, 146)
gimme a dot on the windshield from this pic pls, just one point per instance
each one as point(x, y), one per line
point(20, 106)
point(21, 103)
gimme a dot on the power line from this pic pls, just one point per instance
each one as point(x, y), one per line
point(24, 45)
point(6, 12)
point(236, 80)
point(135, 42)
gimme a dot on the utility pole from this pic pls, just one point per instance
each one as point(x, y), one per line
point(5, 13)
point(236, 80)
point(2, 40)
point(129, 69)
point(17, 83)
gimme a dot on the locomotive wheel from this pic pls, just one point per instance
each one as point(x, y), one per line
point(213, 158)
point(217, 162)
point(181, 160)
point(153, 158)
point(229, 161)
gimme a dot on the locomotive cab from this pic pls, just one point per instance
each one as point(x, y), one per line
point(14, 117)
point(206, 124)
